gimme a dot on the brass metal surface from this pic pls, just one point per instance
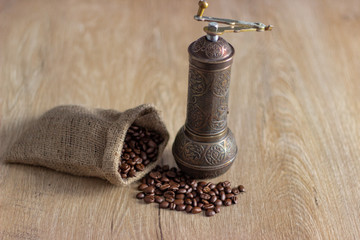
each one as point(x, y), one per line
point(233, 26)
point(205, 147)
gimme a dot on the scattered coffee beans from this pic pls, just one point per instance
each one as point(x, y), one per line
point(174, 190)
point(140, 148)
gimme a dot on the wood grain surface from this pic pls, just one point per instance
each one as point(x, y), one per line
point(294, 110)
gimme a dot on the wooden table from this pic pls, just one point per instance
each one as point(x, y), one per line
point(294, 109)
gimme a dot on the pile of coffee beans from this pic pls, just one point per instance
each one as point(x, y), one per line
point(140, 148)
point(173, 189)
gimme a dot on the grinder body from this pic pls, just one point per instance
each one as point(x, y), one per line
point(205, 147)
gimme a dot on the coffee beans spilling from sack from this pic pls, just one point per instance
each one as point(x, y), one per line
point(173, 189)
point(140, 148)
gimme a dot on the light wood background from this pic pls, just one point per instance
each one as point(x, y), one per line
point(294, 109)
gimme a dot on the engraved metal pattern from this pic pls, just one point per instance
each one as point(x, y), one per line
point(205, 147)
point(207, 100)
point(211, 50)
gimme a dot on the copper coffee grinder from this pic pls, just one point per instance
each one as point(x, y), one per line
point(205, 147)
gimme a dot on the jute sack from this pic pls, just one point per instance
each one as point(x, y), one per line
point(85, 142)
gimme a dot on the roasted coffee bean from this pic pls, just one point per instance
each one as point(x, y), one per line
point(180, 207)
point(180, 196)
point(165, 168)
point(181, 190)
point(217, 209)
point(227, 190)
point(172, 206)
point(164, 179)
point(140, 195)
point(149, 189)
point(159, 199)
point(188, 201)
point(158, 192)
point(140, 167)
point(146, 162)
point(208, 206)
point(220, 187)
point(149, 199)
point(229, 195)
point(227, 202)
point(235, 191)
point(164, 186)
point(170, 199)
point(169, 194)
point(155, 175)
point(196, 210)
point(241, 188)
point(206, 189)
point(190, 195)
point(218, 202)
point(210, 213)
point(202, 183)
point(142, 186)
point(150, 181)
point(204, 201)
point(132, 173)
point(173, 189)
point(213, 199)
point(222, 196)
point(123, 175)
point(205, 196)
point(194, 202)
point(188, 208)
point(179, 201)
point(164, 204)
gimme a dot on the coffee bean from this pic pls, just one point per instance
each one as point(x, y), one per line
point(210, 213)
point(196, 210)
point(220, 187)
point(188, 201)
point(229, 195)
point(205, 196)
point(218, 202)
point(213, 199)
point(235, 191)
point(227, 202)
point(155, 175)
point(188, 208)
point(241, 188)
point(140, 195)
point(227, 190)
point(180, 207)
point(222, 196)
point(217, 209)
point(159, 199)
point(132, 173)
point(179, 201)
point(164, 204)
point(169, 194)
point(170, 199)
point(173, 189)
point(172, 206)
point(202, 183)
point(208, 206)
point(142, 186)
point(140, 167)
point(181, 190)
point(149, 189)
point(149, 199)
point(180, 196)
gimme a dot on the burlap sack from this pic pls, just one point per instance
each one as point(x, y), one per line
point(85, 142)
